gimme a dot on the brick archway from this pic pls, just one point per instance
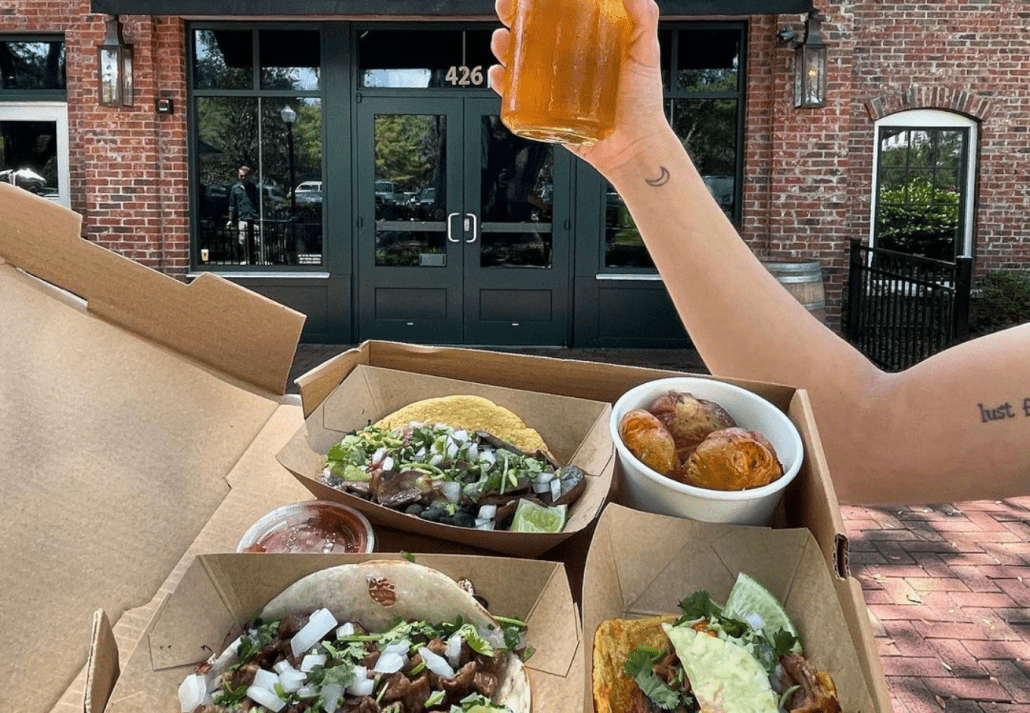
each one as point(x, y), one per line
point(933, 97)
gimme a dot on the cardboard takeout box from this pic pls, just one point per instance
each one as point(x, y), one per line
point(219, 594)
point(642, 564)
point(575, 431)
point(142, 421)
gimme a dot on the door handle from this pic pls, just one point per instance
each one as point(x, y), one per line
point(475, 226)
point(450, 233)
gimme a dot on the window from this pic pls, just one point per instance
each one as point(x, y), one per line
point(924, 164)
point(257, 102)
point(31, 64)
point(702, 69)
point(423, 59)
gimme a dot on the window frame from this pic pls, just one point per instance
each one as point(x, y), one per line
point(37, 95)
point(921, 119)
point(257, 92)
point(670, 93)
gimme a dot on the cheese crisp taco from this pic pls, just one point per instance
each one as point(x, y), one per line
point(375, 637)
point(457, 460)
point(744, 657)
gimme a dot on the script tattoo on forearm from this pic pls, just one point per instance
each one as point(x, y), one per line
point(1004, 412)
point(662, 179)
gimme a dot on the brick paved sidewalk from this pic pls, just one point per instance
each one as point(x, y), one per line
point(947, 585)
point(947, 589)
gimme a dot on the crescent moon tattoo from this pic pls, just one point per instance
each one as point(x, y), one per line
point(662, 179)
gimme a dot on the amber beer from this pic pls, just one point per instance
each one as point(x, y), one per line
point(563, 65)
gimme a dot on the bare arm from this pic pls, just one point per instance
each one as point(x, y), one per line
point(955, 427)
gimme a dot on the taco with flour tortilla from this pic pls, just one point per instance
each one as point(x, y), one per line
point(375, 637)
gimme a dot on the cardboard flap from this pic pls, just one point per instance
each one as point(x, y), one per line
point(709, 557)
point(115, 453)
point(102, 666)
point(211, 320)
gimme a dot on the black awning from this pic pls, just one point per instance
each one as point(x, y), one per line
point(409, 8)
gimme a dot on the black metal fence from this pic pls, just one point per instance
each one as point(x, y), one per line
point(902, 309)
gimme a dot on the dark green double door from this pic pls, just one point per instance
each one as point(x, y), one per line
point(460, 238)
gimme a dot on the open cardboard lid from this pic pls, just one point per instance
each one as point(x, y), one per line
point(575, 430)
point(642, 564)
point(127, 398)
point(218, 594)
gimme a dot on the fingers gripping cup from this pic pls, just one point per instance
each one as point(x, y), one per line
point(563, 68)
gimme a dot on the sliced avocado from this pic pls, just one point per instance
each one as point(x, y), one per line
point(723, 676)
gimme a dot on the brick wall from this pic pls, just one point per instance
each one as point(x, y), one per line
point(127, 166)
point(808, 172)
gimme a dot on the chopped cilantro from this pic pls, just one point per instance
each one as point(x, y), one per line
point(700, 605)
point(638, 666)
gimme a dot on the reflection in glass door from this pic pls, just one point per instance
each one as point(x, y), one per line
point(456, 237)
point(34, 149)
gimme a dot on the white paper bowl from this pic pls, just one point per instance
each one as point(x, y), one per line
point(645, 489)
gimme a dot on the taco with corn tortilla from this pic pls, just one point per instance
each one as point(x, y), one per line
point(456, 460)
point(375, 637)
point(708, 659)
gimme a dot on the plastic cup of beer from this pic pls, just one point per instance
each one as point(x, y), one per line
point(563, 69)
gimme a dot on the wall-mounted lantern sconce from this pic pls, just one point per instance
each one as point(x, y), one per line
point(114, 63)
point(810, 62)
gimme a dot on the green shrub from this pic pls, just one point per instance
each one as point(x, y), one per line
point(1004, 302)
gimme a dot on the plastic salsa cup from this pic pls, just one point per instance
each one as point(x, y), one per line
point(312, 526)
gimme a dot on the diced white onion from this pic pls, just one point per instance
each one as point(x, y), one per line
point(283, 665)
point(482, 524)
point(378, 455)
point(472, 452)
point(388, 463)
point(545, 476)
point(487, 456)
point(192, 692)
point(345, 630)
point(389, 662)
point(461, 436)
point(292, 680)
point(398, 647)
point(453, 650)
point(363, 685)
point(319, 624)
point(308, 691)
point(452, 449)
point(755, 621)
point(451, 490)
point(555, 489)
point(265, 679)
point(331, 693)
point(539, 488)
point(266, 698)
point(312, 660)
point(420, 452)
point(436, 664)
point(436, 459)
point(487, 512)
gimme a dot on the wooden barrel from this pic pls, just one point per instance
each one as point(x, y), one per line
point(804, 280)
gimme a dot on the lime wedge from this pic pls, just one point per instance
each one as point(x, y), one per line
point(749, 601)
point(530, 517)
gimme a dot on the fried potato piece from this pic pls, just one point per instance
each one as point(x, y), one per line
point(689, 419)
point(614, 640)
point(649, 440)
point(732, 459)
point(473, 413)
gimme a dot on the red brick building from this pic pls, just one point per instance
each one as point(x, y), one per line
point(375, 256)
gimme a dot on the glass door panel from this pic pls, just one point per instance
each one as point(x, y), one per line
point(409, 243)
point(517, 255)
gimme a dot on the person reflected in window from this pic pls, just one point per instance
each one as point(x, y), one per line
point(954, 427)
point(243, 213)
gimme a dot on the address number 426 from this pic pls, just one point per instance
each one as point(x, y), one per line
point(465, 76)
